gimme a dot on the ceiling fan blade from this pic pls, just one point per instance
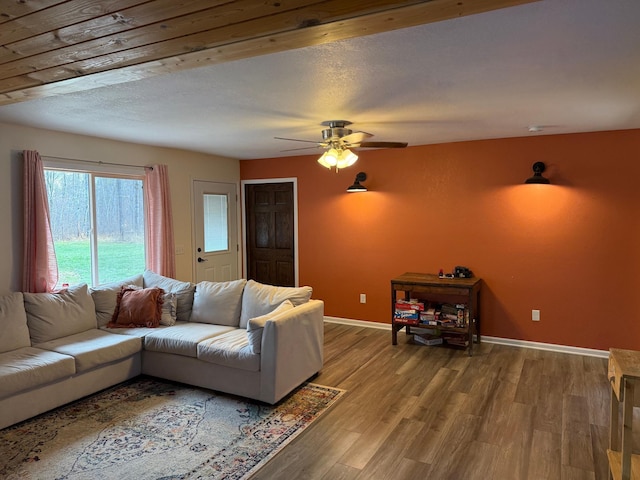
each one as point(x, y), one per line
point(301, 148)
point(356, 137)
point(382, 145)
point(296, 140)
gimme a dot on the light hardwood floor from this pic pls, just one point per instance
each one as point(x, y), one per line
point(418, 412)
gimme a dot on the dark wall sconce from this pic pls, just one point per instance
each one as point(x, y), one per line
point(357, 187)
point(538, 168)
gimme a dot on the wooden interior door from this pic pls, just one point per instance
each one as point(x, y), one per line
point(270, 227)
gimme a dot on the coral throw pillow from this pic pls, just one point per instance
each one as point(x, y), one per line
point(138, 307)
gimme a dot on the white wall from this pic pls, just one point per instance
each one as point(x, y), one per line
point(184, 167)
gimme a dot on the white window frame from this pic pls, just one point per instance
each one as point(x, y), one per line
point(96, 169)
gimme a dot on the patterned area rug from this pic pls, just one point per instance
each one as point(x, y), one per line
point(150, 429)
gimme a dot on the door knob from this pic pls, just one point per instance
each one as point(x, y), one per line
point(200, 260)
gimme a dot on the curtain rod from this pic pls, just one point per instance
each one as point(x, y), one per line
point(99, 162)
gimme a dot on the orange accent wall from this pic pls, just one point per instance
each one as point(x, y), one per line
point(570, 249)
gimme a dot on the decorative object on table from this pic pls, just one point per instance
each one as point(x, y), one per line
point(458, 272)
point(462, 272)
point(152, 429)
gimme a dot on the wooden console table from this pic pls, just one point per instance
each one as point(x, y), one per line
point(624, 372)
point(431, 287)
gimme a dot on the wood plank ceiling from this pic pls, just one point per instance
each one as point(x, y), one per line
point(51, 47)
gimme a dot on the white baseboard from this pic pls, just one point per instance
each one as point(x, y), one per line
point(358, 323)
point(497, 340)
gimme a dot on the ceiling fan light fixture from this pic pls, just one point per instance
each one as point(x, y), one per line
point(346, 158)
point(337, 157)
point(337, 139)
point(323, 160)
point(328, 159)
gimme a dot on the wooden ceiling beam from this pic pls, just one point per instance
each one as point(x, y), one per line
point(12, 10)
point(165, 31)
point(216, 35)
point(57, 15)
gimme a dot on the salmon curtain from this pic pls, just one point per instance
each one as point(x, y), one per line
point(160, 246)
point(40, 266)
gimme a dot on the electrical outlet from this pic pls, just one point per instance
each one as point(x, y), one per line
point(363, 298)
point(535, 315)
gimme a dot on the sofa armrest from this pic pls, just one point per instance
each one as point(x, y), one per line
point(292, 349)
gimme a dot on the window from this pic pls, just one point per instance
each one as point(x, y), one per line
point(215, 221)
point(97, 221)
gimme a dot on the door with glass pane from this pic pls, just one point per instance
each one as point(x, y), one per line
point(216, 231)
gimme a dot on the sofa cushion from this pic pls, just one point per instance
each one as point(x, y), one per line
point(138, 307)
point(230, 349)
point(182, 338)
point(259, 299)
point(218, 302)
point(94, 348)
point(139, 332)
point(56, 315)
point(14, 332)
point(255, 326)
point(105, 297)
point(183, 290)
point(30, 367)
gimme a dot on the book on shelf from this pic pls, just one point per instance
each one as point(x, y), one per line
point(432, 314)
point(438, 323)
point(459, 339)
point(407, 314)
point(406, 321)
point(458, 312)
point(426, 339)
point(424, 329)
point(458, 343)
point(448, 308)
point(412, 304)
point(429, 314)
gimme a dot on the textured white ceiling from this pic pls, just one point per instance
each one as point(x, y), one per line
point(568, 65)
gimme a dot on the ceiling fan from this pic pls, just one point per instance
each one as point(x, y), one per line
point(337, 140)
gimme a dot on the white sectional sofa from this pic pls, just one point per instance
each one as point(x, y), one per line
point(240, 337)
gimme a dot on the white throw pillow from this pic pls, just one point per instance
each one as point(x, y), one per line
point(14, 332)
point(168, 309)
point(259, 299)
point(105, 297)
point(57, 315)
point(218, 302)
point(183, 290)
point(255, 326)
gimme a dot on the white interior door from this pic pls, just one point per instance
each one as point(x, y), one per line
point(216, 231)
